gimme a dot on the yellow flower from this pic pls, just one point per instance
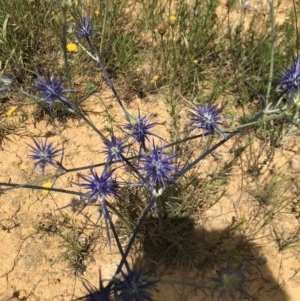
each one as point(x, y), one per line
point(154, 79)
point(72, 47)
point(97, 12)
point(195, 62)
point(173, 19)
point(47, 185)
point(244, 219)
point(11, 110)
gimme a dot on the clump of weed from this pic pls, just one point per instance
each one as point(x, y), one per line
point(77, 242)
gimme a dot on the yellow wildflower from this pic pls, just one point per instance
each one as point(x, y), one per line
point(154, 79)
point(47, 185)
point(72, 47)
point(97, 12)
point(244, 219)
point(11, 110)
point(173, 19)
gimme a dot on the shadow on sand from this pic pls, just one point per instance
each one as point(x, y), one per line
point(178, 252)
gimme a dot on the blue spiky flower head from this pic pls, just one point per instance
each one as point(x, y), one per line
point(230, 281)
point(99, 187)
point(290, 79)
point(51, 89)
point(134, 286)
point(158, 168)
point(114, 148)
point(103, 293)
point(139, 128)
point(44, 153)
point(130, 286)
point(207, 118)
point(85, 28)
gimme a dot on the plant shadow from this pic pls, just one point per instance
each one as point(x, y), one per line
point(193, 263)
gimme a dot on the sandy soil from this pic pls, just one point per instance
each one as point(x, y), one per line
point(32, 261)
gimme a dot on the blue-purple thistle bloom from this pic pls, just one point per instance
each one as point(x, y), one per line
point(99, 187)
point(134, 286)
point(139, 129)
point(114, 149)
point(207, 118)
point(158, 168)
point(51, 89)
point(104, 293)
point(290, 79)
point(44, 153)
point(85, 29)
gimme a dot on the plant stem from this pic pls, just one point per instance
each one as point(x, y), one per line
point(272, 18)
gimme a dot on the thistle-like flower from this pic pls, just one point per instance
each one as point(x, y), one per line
point(99, 187)
point(114, 149)
point(134, 286)
point(139, 128)
point(207, 118)
point(158, 168)
point(51, 89)
point(85, 29)
point(230, 281)
point(44, 153)
point(104, 293)
point(290, 79)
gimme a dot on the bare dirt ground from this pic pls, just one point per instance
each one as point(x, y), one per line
point(34, 263)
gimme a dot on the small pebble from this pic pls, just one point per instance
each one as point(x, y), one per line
point(295, 164)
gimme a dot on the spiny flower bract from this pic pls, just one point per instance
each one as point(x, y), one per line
point(104, 293)
point(139, 128)
point(99, 186)
point(44, 153)
point(51, 89)
point(85, 29)
point(290, 79)
point(207, 118)
point(230, 281)
point(134, 286)
point(114, 148)
point(158, 168)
